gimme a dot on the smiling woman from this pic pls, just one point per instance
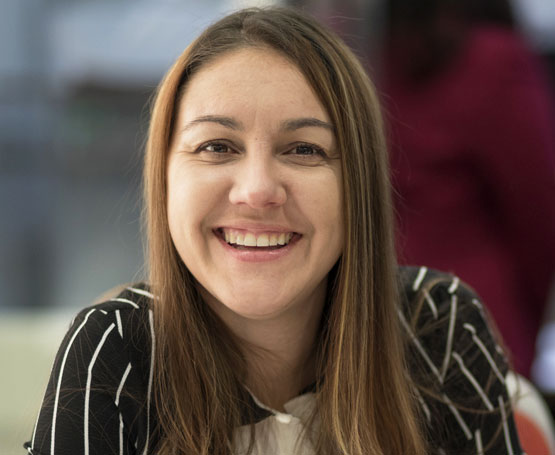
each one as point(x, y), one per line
point(272, 321)
point(245, 170)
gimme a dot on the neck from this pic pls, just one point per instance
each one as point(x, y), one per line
point(279, 350)
point(282, 363)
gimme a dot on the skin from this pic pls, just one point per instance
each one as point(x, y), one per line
point(240, 158)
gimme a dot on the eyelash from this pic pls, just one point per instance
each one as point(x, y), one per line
point(205, 146)
point(317, 151)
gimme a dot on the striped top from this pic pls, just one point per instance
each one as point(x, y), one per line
point(99, 398)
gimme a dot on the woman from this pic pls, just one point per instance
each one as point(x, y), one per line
point(271, 321)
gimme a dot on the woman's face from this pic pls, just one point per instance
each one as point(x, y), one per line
point(254, 186)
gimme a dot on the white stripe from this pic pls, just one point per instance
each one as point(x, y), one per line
point(450, 334)
point(505, 426)
point(460, 420)
point(123, 379)
point(118, 320)
point(477, 303)
point(470, 328)
point(59, 385)
point(485, 351)
point(431, 303)
point(478, 438)
point(473, 381)
point(103, 312)
point(419, 278)
point(120, 387)
point(88, 387)
point(419, 347)
point(35, 431)
point(454, 285)
point(120, 434)
point(153, 345)
point(120, 299)
point(141, 291)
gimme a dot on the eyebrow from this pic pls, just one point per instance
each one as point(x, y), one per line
point(228, 122)
point(305, 122)
point(287, 125)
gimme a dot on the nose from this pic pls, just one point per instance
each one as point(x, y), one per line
point(258, 183)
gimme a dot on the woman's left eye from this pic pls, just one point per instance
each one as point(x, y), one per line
point(308, 150)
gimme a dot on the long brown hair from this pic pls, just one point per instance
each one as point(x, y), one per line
point(364, 400)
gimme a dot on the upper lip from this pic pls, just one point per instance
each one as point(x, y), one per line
point(256, 227)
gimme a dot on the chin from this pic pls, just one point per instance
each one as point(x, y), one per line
point(254, 307)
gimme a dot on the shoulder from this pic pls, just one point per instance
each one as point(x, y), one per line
point(457, 363)
point(99, 388)
point(107, 338)
point(496, 38)
point(438, 309)
point(428, 294)
point(122, 324)
point(136, 296)
point(502, 53)
point(413, 280)
point(495, 45)
point(130, 303)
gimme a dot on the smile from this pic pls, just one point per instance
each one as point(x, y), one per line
point(246, 239)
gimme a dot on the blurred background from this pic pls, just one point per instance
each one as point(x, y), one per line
point(75, 81)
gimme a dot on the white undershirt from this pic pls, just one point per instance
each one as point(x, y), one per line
point(282, 432)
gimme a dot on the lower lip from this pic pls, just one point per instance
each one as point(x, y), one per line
point(258, 255)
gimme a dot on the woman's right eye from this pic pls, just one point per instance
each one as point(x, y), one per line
point(216, 151)
point(215, 147)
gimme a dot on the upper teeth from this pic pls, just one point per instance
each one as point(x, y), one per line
point(251, 239)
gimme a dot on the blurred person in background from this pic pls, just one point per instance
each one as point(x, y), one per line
point(471, 128)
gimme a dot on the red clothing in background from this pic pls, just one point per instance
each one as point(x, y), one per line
point(473, 164)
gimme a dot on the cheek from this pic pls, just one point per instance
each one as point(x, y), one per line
point(325, 200)
point(194, 198)
point(335, 218)
point(183, 205)
point(177, 200)
point(321, 200)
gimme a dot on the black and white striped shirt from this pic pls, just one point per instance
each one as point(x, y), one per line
point(99, 398)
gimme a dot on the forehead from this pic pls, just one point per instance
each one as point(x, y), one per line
point(250, 79)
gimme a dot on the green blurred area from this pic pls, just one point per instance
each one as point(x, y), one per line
point(28, 345)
